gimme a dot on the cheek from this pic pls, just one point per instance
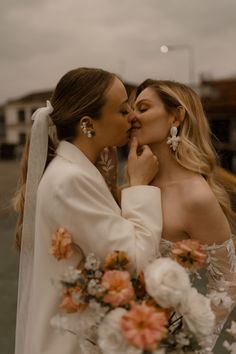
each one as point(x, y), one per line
point(154, 130)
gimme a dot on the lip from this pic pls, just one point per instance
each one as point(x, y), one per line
point(134, 128)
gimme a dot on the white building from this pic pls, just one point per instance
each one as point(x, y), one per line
point(17, 116)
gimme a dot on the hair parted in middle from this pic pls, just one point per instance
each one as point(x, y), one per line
point(195, 151)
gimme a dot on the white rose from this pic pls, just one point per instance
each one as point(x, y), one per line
point(197, 314)
point(110, 337)
point(167, 282)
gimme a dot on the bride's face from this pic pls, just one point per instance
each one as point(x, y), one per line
point(152, 122)
point(113, 127)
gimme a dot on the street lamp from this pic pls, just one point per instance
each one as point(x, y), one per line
point(166, 48)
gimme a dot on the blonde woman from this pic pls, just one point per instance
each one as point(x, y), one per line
point(169, 117)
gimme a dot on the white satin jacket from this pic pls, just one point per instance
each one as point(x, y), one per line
point(73, 194)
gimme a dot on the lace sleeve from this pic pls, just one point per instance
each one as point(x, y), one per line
point(221, 279)
point(107, 165)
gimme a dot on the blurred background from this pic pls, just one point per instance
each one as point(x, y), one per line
point(188, 41)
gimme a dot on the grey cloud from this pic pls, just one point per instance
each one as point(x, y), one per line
point(40, 40)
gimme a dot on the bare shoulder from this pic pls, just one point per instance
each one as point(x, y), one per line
point(196, 193)
point(204, 218)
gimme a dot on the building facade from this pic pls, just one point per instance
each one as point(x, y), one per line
point(219, 102)
point(218, 98)
point(16, 115)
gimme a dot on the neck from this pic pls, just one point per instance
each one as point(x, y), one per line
point(89, 148)
point(169, 170)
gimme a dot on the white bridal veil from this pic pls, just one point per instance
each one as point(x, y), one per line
point(36, 164)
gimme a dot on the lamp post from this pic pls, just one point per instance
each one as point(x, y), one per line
point(166, 48)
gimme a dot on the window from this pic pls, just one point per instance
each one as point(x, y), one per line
point(2, 126)
point(21, 116)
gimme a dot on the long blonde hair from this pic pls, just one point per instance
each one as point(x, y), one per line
point(195, 152)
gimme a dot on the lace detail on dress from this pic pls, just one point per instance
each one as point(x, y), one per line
point(218, 279)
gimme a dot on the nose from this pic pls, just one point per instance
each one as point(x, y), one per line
point(132, 117)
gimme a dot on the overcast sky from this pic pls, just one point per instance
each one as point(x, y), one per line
point(42, 39)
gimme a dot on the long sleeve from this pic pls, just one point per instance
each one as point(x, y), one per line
point(98, 225)
point(74, 195)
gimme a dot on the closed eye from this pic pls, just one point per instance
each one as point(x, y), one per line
point(124, 113)
point(142, 109)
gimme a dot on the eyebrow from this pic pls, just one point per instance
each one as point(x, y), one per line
point(144, 100)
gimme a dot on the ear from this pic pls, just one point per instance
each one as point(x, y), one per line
point(88, 121)
point(85, 126)
point(179, 116)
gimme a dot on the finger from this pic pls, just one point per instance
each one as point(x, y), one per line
point(133, 147)
point(155, 158)
point(146, 150)
point(146, 147)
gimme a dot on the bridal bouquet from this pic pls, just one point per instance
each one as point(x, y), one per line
point(231, 347)
point(157, 311)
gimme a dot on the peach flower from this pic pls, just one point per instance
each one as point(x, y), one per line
point(61, 247)
point(69, 302)
point(119, 289)
point(144, 327)
point(116, 260)
point(190, 254)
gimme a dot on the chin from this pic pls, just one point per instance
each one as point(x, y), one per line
point(122, 142)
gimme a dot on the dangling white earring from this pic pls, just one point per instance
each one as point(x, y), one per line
point(174, 140)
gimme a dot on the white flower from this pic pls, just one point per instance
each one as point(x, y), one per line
point(91, 263)
point(97, 309)
point(160, 351)
point(110, 338)
point(98, 274)
point(197, 314)
point(60, 323)
point(71, 275)
point(182, 339)
point(230, 347)
point(220, 298)
point(232, 330)
point(167, 282)
point(94, 287)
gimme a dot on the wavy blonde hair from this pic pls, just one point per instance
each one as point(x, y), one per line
point(195, 152)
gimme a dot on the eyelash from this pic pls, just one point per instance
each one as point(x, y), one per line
point(125, 113)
